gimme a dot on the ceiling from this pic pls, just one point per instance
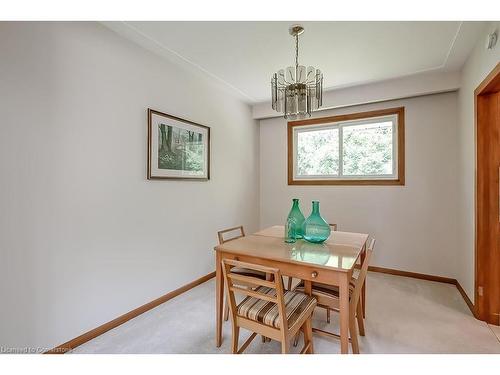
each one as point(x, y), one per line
point(243, 55)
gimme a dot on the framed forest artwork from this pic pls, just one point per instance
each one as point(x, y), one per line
point(177, 148)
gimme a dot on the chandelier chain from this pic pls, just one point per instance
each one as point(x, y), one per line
point(296, 50)
point(296, 56)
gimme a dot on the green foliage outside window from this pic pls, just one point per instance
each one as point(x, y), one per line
point(366, 150)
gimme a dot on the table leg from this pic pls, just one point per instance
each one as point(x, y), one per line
point(363, 290)
point(344, 313)
point(219, 298)
point(307, 287)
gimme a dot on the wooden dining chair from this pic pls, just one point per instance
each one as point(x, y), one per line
point(355, 275)
point(234, 233)
point(290, 279)
point(267, 310)
point(328, 298)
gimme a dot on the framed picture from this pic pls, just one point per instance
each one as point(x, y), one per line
point(177, 148)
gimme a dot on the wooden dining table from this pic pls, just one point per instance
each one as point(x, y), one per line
point(331, 262)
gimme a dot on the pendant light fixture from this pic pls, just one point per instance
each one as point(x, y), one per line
point(297, 91)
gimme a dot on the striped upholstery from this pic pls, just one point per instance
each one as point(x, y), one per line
point(249, 272)
point(330, 291)
point(267, 312)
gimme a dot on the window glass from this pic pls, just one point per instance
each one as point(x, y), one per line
point(318, 152)
point(367, 149)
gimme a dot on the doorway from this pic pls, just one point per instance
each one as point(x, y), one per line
point(487, 247)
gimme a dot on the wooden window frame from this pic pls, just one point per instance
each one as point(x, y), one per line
point(400, 180)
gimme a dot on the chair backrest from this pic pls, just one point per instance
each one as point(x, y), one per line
point(372, 244)
point(360, 280)
point(276, 295)
point(238, 233)
point(333, 226)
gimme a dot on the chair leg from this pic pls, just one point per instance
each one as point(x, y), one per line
point(308, 336)
point(234, 342)
point(328, 315)
point(290, 279)
point(284, 347)
point(226, 310)
point(360, 302)
point(354, 334)
point(359, 316)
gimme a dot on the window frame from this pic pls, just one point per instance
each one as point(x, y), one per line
point(341, 121)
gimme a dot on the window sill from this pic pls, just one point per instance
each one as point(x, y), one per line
point(399, 182)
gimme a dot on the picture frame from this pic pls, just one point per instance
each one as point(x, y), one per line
point(178, 149)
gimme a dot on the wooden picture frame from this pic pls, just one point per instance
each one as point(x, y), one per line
point(178, 149)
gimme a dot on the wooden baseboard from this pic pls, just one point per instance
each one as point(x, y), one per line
point(67, 346)
point(423, 276)
point(467, 300)
point(415, 275)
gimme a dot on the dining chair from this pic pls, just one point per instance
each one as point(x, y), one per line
point(267, 309)
point(290, 279)
point(234, 233)
point(328, 298)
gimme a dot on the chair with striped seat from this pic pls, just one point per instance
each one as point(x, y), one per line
point(333, 227)
point(328, 298)
point(267, 310)
point(234, 233)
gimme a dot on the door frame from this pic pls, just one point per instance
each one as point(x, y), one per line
point(489, 85)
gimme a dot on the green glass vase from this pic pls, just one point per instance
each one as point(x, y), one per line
point(295, 216)
point(315, 229)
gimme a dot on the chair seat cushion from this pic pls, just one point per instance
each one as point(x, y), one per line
point(325, 290)
point(297, 304)
point(249, 272)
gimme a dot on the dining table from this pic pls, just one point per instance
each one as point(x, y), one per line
point(331, 262)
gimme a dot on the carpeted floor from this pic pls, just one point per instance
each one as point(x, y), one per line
point(404, 315)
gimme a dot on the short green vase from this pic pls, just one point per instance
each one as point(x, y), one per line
point(297, 217)
point(315, 229)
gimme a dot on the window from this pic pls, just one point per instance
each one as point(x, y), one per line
point(357, 149)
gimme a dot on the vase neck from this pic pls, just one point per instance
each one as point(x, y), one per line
point(315, 208)
point(295, 203)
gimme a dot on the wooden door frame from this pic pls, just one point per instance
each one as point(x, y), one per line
point(489, 85)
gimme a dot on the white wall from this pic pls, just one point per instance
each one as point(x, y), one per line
point(84, 236)
point(480, 62)
point(415, 225)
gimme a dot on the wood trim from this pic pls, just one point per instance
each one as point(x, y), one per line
point(423, 276)
point(466, 299)
point(347, 117)
point(87, 336)
point(490, 84)
point(484, 235)
point(400, 111)
point(415, 275)
point(345, 182)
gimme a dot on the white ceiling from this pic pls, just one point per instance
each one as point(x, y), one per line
point(243, 55)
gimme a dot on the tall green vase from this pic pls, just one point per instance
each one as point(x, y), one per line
point(315, 229)
point(297, 217)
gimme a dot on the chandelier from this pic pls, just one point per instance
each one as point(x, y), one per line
point(297, 91)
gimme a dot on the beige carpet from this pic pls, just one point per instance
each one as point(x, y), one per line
point(404, 315)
